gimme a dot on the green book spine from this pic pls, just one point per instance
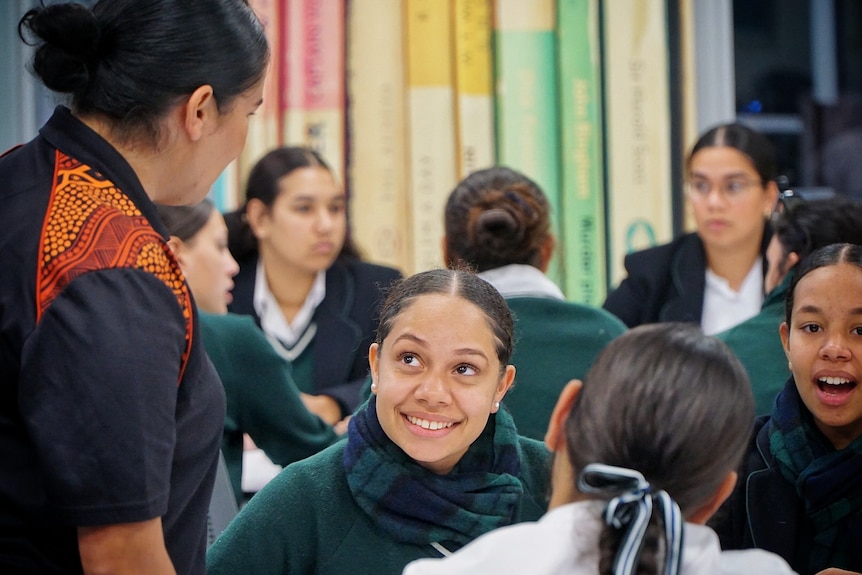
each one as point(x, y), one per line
point(582, 173)
point(526, 100)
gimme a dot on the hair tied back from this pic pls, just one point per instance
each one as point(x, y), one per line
point(67, 40)
point(629, 510)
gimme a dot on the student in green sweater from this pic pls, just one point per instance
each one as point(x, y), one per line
point(798, 230)
point(262, 399)
point(498, 221)
point(432, 459)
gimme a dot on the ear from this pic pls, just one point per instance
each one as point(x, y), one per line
point(546, 252)
point(784, 333)
point(791, 260)
point(705, 511)
point(373, 365)
point(555, 437)
point(178, 248)
point(200, 113)
point(503, 385)
point(257, 215)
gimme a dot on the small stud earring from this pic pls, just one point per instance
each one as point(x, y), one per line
point(497, 405)
point(373, 388)
point(789, 366)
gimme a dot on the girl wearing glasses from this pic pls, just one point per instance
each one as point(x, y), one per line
point(713, 276)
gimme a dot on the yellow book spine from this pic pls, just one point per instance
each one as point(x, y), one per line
point(431, 128)
point(474, 88)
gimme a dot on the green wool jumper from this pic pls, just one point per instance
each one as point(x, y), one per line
point(307, 520)
point(757, 344)
point(555, 341)
point(262, 398)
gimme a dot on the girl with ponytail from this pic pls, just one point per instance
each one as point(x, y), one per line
point(646, 449)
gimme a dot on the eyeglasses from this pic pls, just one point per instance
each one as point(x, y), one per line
point(731, 189)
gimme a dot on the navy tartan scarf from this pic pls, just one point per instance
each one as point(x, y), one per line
point(828, 481)
point(415, 505)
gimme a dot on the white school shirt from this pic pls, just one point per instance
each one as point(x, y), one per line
point(724, 308)
point(566, 541)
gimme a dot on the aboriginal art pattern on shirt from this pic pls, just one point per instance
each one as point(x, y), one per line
point(91, 225)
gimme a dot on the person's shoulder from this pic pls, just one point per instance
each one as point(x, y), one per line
point(664, 252)
point(312, 481)
point(567, 313)
point(230, 328)
point(535, 461)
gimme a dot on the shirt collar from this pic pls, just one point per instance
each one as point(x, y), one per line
point(519, 280)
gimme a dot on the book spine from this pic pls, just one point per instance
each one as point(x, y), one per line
point(324, 103)
point(292, 67)
point(526, 100)
point(474, 89)
point(637, 104)
point(582, 169)
point(377, 160)
point(263, 127)
point(431, 117)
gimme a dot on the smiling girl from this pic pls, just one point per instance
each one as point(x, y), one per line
point(432, 461)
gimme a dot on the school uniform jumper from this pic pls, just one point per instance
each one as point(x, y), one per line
point(262, 398)
point(555, 341)
point(757, 344)
point(309, 519)
point(110, 410)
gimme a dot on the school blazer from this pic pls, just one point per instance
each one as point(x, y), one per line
point(666, 283)
point(346, 322)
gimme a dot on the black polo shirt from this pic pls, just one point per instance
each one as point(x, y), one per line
point(110, 411)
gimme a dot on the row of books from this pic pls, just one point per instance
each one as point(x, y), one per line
point(406, 97)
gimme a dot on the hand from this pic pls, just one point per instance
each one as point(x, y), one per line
point(341, 426)
point(323, 407)
point(836, 571)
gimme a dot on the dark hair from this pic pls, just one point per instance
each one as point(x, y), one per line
point(185, 222)
point(830, 255)
point(667, 401)
point(129, 61)
point(804, 227)
point(495, 217)
point(456, 282)
point(262, 185)
point(752, 144)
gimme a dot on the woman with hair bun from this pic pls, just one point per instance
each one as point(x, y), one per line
point(110, 412)
point(498, 221)
point(635, 476)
